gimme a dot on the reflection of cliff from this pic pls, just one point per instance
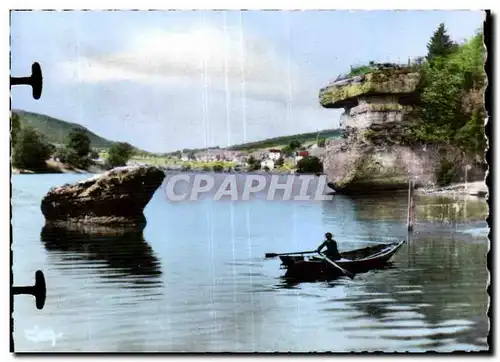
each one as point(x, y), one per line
point(124, 250)
point(365, 220)
point(432, 209)
point(447, 209)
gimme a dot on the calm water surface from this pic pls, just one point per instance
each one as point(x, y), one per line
point(195, 279)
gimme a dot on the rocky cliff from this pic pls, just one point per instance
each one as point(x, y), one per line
point(373, 155)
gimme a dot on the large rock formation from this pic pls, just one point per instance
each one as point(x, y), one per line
point(373, 156)
point(113, 198)
point(376, 105)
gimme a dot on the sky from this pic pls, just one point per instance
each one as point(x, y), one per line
point(168, 80)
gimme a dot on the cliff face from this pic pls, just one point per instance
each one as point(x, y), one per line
point(372, 156)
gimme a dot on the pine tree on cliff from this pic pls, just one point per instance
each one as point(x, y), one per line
point(440, 44)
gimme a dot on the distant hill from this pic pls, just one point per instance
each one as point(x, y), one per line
point(285, 140)
point(57, 131)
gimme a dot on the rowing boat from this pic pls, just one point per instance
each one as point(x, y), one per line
point(355, 261)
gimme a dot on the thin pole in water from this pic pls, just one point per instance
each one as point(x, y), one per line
point(466, 169)
point(411, 206)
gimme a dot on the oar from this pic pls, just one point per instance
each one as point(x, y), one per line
point(274, 255)
point(346, 272)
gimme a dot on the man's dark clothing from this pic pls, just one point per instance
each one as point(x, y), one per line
point(332, 252)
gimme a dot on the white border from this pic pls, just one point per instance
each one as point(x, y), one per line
point(172, 4)
point(254, 5)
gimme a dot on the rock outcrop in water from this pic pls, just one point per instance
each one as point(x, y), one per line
point(113, 198)
point(372, 156)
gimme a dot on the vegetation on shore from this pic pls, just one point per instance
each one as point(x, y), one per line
point(309, 165)
point(31, 151)
point(119, 154)
point(451, 106)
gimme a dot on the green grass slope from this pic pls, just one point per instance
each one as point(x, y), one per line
point(57, 131)
point(284, 140)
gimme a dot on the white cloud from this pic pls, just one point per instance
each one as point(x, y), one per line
point(169, 90)
point(208, 56)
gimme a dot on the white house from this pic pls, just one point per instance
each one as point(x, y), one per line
point(274, 154)
point(267, 163)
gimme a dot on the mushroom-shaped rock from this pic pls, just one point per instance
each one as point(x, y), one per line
point(384, 82)
point(115, 197)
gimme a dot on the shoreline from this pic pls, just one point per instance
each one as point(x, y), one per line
point(56, 167)
point(475, 188)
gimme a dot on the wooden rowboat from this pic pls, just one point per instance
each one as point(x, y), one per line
point(355, 261)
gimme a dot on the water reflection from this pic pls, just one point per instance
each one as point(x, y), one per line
point(450, 210)
point(440, 209)
point(440, 296)
point(125, 253)
point(226, 298)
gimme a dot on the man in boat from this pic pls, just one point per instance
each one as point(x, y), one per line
point(332, 252)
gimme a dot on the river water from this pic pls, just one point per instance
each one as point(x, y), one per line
point(196, 280)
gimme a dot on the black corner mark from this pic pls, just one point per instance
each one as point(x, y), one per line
point(39, 290)
point(35, 80)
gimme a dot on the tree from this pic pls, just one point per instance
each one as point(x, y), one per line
point(253, 164)
point(451, 102)
point(321, 142)
point(471, 136)
point(441, 97)
point(440, 44)
point(287, 151)
point(294, 144)
point(469, 60)
point(119, 154)
point(79, 141)
point(218, 168)
point(51, 149)
point(15, 128)
point(31, 150)
point(69, 156)
point(94, 155)
point(310, 164)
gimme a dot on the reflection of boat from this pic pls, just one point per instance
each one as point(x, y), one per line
point(125, 251)
point(355, 261)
